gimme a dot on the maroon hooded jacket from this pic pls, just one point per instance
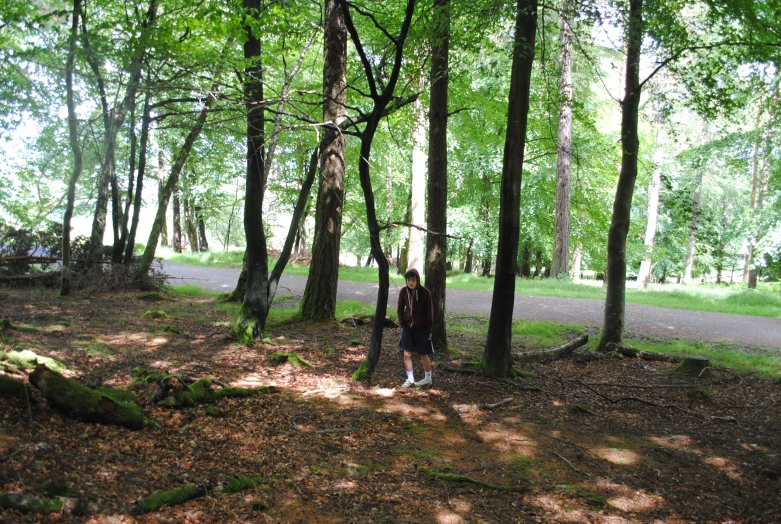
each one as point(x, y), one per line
point(415, 309)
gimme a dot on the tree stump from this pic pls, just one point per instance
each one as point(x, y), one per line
point(693, 366)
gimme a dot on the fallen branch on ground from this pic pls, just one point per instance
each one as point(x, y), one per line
point(549, 355)
point(645, 355)
point(495, 404)
point(585, 474)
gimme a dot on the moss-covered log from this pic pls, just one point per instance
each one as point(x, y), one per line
point(281, 358)
point(11, 387)
point(27, 359)
point(240, 483)
point(29, 503)
point(177, 394)
point(81, 402)
point(175, 496)
point(694, 366)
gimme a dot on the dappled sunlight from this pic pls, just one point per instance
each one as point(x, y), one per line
point(637, 501)
point(557, 509)
point(507, 440)
point(447, 517)
point(674, 442)
point(345, 484)
point(727, 467)
point(621, 457)
point(161, 364)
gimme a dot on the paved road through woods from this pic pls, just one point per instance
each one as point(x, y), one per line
point(752, 332)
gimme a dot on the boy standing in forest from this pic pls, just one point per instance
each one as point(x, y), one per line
point(416, 317)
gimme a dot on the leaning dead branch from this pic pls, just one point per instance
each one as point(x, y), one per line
point(549, 355)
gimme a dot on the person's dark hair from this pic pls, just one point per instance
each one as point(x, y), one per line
point(412, 273)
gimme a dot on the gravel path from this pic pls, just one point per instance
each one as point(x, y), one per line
point(741, 330)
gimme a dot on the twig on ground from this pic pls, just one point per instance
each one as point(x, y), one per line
point(584, 473)
point(495, 404)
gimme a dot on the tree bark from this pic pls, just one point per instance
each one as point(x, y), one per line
point(615, 300)
point(73, 135)
point(644, 276)
point(119, 244)
point(564, 150)
point(381, 99)
point(692, 244)
point(173, 179)
point(177, 239)
point(497, 357)
point(203, 245)
point(254, 310)
point(319, 300)
point(146, 122)
point(417, 201)
point(114, 123)
point(577, 259)
point(436, 239)
point(189, 225)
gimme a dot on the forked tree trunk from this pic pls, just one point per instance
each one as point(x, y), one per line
point(564, 150)
point(615, 300)
point(497, 357)
point(203, 245)
point(146, 121)
point(73, 136)
point(381, 99)
point(119, 245)
point(319, 300)
point(436, 241)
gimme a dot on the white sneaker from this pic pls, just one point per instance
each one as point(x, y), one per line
point(425, 381)
point(407, 384)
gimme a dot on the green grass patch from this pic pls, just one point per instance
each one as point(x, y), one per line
point(191, 290)
point(97, 350)
point(546, 334)
point(766, 364)
point(156, 314)
point(353, 308)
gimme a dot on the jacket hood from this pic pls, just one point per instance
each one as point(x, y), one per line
point(412, 271)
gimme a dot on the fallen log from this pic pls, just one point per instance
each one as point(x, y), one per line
point(549, 355)
point(81, 402)
point(645, 355)
point(173, 392)
point(11, 387)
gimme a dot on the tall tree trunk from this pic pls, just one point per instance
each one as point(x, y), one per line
point(436, 239)
point(381, 98)
point(644, 276)
point(417, 200)
point(468, 262)
point(526, 256)
point(148, 257)
point(146, 121)
point(119, 244)
point(319, 300)
point(615, 299)
point(759, 186)
point(254, 309)
point(537, 263)
point(203, 245)
point(160, 184)
point(189, 225)
point(177, 238)
point(115, 120)
point(564, 149)
point(577, 259)
point(73, 135)
point(497, 357)
point(689, 263)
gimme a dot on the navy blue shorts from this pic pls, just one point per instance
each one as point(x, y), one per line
point(416, 340)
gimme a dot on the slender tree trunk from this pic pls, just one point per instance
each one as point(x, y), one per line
point(615, 299)
point(173, 179)
point(73, 135)
point(497, 357)
point(537, 263)
point(254, 310)
point(468, 263)
point(577, 259)
point(436, 239)
point(693, 224)
point(119, 244)
point(319, 300)
point(146, 122)
point(177, 243)
point(115, 121)
point(161, 183)
point(203, 245)
point(189, 226)
point(644, 276)
point(564, 149)
point(417, 201)
point(526, 256)
point(381, 99)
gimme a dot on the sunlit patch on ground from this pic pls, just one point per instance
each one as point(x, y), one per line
point(673, 442)
point(621, 457)
point(727, 467)
point(637, 502)
point(447, 517)
point(557, 509)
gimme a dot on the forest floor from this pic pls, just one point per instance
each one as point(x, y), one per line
point(612, 441)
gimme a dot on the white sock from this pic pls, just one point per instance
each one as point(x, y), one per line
point(411, 376)
point(428, 374)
